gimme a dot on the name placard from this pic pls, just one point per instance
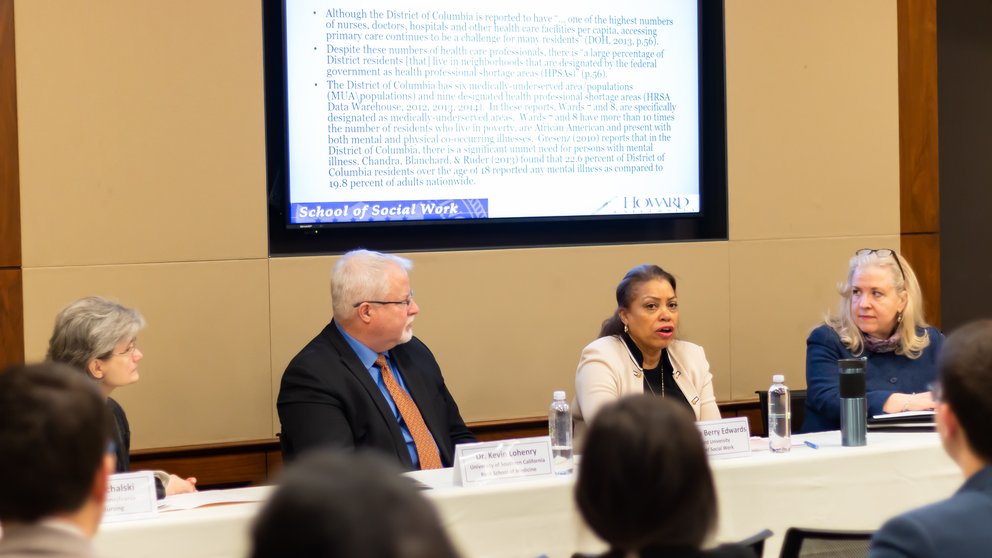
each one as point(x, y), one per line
point(130, 496)
point(503, 461)
point(726, 438)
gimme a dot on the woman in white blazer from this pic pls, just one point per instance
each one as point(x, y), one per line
point(637, 352)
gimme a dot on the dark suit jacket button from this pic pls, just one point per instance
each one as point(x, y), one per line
point(893, 380)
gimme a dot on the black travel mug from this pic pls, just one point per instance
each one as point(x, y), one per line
point(853, 405)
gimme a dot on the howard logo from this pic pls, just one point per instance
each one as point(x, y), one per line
point(669, 203)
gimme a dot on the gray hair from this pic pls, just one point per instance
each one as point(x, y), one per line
point(361, 275)
point(90, 328)
point(911, 343)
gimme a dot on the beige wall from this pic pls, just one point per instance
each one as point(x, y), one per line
point(142, 178)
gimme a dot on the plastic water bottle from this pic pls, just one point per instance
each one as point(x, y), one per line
point(779, 416)
point(560, 429)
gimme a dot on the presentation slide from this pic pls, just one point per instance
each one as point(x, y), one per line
point(407, 111)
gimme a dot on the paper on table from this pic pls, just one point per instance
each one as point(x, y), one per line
point(211, 497)
point(904, 415)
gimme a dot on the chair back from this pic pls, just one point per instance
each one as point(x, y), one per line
point(797, 402)
point(756, 542)
point(821, 543)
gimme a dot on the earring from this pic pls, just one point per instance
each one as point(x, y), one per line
point(625, 328)
point(898, 317)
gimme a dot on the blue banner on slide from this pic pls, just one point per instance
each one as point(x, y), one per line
point(404, 210)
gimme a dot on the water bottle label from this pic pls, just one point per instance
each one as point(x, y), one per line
point(726, 438)
point(503, 461)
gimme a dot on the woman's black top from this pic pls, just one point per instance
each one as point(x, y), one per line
point(653, 377)
point(122, 443)
point(122, 436)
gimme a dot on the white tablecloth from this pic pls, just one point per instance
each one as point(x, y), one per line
point(832, 487)
point(829, 487)
point(217, 531)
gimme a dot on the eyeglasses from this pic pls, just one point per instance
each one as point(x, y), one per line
point(883, 253)
point(406, 302)
point(125, 353)
point(130, 349)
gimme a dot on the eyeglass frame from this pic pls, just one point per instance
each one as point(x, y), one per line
point(408, 301)
point(893, 253)
point(131, 346)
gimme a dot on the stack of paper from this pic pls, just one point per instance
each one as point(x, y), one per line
point(915, 421)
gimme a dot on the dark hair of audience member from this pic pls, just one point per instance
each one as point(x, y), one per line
point(625, 293)
point(54, 431)
point(965, 373)
point(644, 480)
point(342, 504)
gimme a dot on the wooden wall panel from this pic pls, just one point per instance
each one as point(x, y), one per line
point(918, 166)
point(10, 204)
point(155, 116)
point(922, 251)
point(214, 465)
point(11, 292)
point(11, 317)
point(919, 189)
point(812, 121)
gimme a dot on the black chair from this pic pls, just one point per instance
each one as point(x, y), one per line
point(802, 543)
point(797, 398)
point(757, 541)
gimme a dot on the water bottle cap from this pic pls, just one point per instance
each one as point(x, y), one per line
point(559, 395)
point(778, 378)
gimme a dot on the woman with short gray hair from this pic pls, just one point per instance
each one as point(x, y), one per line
point(99, 337)
point(88, 330)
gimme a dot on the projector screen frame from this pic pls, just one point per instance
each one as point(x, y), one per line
point(711, 223)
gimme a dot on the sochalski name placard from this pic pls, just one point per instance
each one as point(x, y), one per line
point(726, 438)
point(503, 461)
point(130, 496)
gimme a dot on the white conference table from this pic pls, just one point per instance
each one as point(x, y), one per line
point(218, 531)
point(830, 487)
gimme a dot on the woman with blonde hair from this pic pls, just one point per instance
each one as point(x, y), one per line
point(879, 318)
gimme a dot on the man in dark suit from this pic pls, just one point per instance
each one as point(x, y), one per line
point(365, 381)
point(54, 431)
point(958, 526)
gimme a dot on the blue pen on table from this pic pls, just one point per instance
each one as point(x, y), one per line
point(811, 444)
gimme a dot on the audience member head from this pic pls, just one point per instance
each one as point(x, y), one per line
point(372, 298)
point(644, 479)
point(880, 298)
point(331, 505)
point(98, 336)
point(964, 410)
point(54, 431)
point(647, 308)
